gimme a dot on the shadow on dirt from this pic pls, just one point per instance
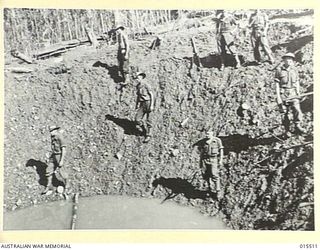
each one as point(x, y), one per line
point(113, 71)
point(180, 186)
point(213, 61)
point(297, 162)
point(128, 126)
point(41, 171)
point(294, 45)
point(307, 102)
point(237, 143)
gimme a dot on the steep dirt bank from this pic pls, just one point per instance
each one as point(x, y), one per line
point(79, 93)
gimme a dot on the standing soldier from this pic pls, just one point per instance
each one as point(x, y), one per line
point(57, 158)
point(123, 53)
point(225, 37)
point(211, 158)
point(259, 23)
point(288, 92)
point(145, 105)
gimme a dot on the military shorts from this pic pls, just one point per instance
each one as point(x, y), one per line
point(257, 33)
point(288, 93)
point(123, 62)
point(259, 38)
point(293, 103)
point(225, 41)
point(144, 110)
point(210, 167)
point(53, 165)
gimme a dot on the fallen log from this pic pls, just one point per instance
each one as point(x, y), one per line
point(64, 46)
point(294, 146)
point(278, 151)
point(291, 98)
point(21, 56)
point(305, 204)
point(20, 70)
point(299, 97)
point(60, 48)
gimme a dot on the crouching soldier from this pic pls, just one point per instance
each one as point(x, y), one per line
point(56, 161)
point(211, 159)
point(145, 106)
point(288, 92)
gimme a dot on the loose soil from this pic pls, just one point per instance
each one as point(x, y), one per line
point(78, 91)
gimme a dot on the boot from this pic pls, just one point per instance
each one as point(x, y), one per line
point(219, 195)
point(48, 190)
point(222, 63)
point(271, 60)
point(147, 139)
point(139, 128)
point(238, 64)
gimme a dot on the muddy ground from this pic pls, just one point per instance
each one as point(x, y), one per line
point(78, 91)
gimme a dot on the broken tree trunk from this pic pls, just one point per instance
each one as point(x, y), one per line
point(195, 59)
point(278, 151)
point(300, 96)
point(291, 98)
point(20, 70)
point(21, 56)
point(61, 47)
point(155, 43)
point(92, 37)
point(305, 204)
point(294, 146)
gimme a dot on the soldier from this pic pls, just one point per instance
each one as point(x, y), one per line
point(57, 158)
point(259, 23)
point(123, 53)
point(288, 92)
point(144, 104)
point(225, 38)
point(211, 158)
